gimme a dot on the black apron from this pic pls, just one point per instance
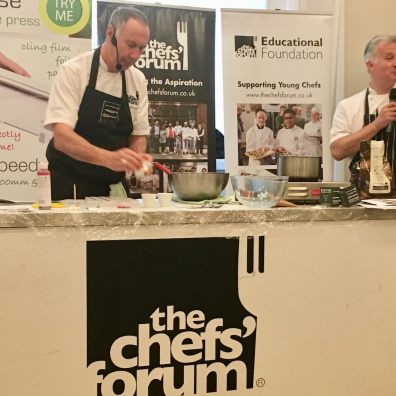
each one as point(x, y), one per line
point(387, 134)
point(103, 120)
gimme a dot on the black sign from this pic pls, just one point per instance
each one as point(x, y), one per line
point(179, 65)
point(166, 314)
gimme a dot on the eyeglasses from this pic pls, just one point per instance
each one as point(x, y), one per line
point(288, 118)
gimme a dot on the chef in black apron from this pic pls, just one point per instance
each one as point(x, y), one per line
point(104, 120)
point(380, 59)
point(387, 134)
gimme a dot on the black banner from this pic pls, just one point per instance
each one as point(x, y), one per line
point(179, 64)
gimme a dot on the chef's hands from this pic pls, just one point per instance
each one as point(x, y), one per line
point(386, 115)
point(127, 160)
point(282, 150)
point(349, 145)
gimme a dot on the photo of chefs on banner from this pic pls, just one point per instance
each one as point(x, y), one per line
point(178, 64)
point(267, 130)
point(178, 139)
point(178, 131)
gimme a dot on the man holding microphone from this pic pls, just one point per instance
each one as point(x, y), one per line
point(371, 113)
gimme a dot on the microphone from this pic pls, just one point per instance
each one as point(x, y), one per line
point(392, 98)
point(392, 95)
point(118, 65)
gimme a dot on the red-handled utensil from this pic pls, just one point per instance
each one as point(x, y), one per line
point(162, 168)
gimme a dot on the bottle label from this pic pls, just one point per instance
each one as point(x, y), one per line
point(379, 182)
point(44, 191)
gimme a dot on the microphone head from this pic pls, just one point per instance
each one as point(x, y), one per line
point(392, 95)
point(118, 66)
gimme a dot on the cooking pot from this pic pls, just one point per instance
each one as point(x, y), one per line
point(299, 168)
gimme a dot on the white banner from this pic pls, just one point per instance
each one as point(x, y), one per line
point(37, 36)
point(276, 61)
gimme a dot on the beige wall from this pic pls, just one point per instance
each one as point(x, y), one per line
point(363, 19)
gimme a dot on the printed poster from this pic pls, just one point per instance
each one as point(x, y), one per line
point(179, 67)
point(277, 88)
point(36, 37)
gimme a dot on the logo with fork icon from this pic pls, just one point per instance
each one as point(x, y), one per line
point(160, 319)
point(182, 38)
point(245, 46)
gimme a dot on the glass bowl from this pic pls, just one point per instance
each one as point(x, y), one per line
point(259, 191)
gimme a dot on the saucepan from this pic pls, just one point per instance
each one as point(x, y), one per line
point(299, 168)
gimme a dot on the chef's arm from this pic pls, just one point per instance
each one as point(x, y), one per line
point(347, 146)
point(137, 143)
point(72, 144)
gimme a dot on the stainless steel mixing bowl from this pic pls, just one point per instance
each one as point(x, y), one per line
point(198, 186)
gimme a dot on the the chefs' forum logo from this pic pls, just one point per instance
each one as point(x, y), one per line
point(245, 46)
point(161, 55)
point(161, 325)
point(273, 48)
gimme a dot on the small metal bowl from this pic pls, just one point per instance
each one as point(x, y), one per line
point(198, 186)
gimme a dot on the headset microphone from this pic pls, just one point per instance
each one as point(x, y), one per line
point(118, 65)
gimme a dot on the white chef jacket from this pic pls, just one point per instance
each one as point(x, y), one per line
point(69, 86)
point(348, 117)
point(258, 138)
point(292, 140)
point(313, 131)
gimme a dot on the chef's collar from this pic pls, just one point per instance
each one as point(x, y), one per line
point(102, 64)
point(372, 91)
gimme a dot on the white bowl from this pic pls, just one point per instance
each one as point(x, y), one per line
point(259, 191)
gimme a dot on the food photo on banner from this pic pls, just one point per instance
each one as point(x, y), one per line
point(179, 64)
